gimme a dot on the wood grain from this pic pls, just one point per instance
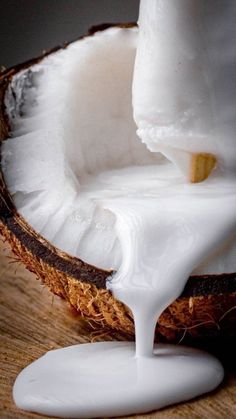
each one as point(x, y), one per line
point(32, 322)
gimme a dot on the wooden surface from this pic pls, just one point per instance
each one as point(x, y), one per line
point(32, 322)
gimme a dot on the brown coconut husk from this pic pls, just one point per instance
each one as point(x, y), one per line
point(207, 306)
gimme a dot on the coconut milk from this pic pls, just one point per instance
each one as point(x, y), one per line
point(166, 228)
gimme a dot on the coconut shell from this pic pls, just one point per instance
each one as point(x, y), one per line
point(207, 306)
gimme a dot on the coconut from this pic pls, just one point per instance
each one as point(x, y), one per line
point(65, 118)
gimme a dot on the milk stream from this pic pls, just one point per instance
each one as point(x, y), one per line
point(166, 227)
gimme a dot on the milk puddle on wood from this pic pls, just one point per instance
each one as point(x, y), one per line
point(166, 228)
point(105, 379)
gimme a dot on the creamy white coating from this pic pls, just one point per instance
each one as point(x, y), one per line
point(161, 223)
point(165, 227)
point(184, 88)
point(55, 145)
point(55, 148)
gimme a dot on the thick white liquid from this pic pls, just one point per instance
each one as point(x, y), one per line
point(166, 227)
point(105, 379)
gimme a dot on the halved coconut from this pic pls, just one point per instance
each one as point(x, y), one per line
point(65, 118)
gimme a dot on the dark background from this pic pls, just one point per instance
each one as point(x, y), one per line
point(27, 27)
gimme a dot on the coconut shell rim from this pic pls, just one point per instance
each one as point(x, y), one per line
point(197, 285)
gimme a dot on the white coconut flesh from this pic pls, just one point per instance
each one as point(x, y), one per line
point(184, 80)
point(72, 124)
